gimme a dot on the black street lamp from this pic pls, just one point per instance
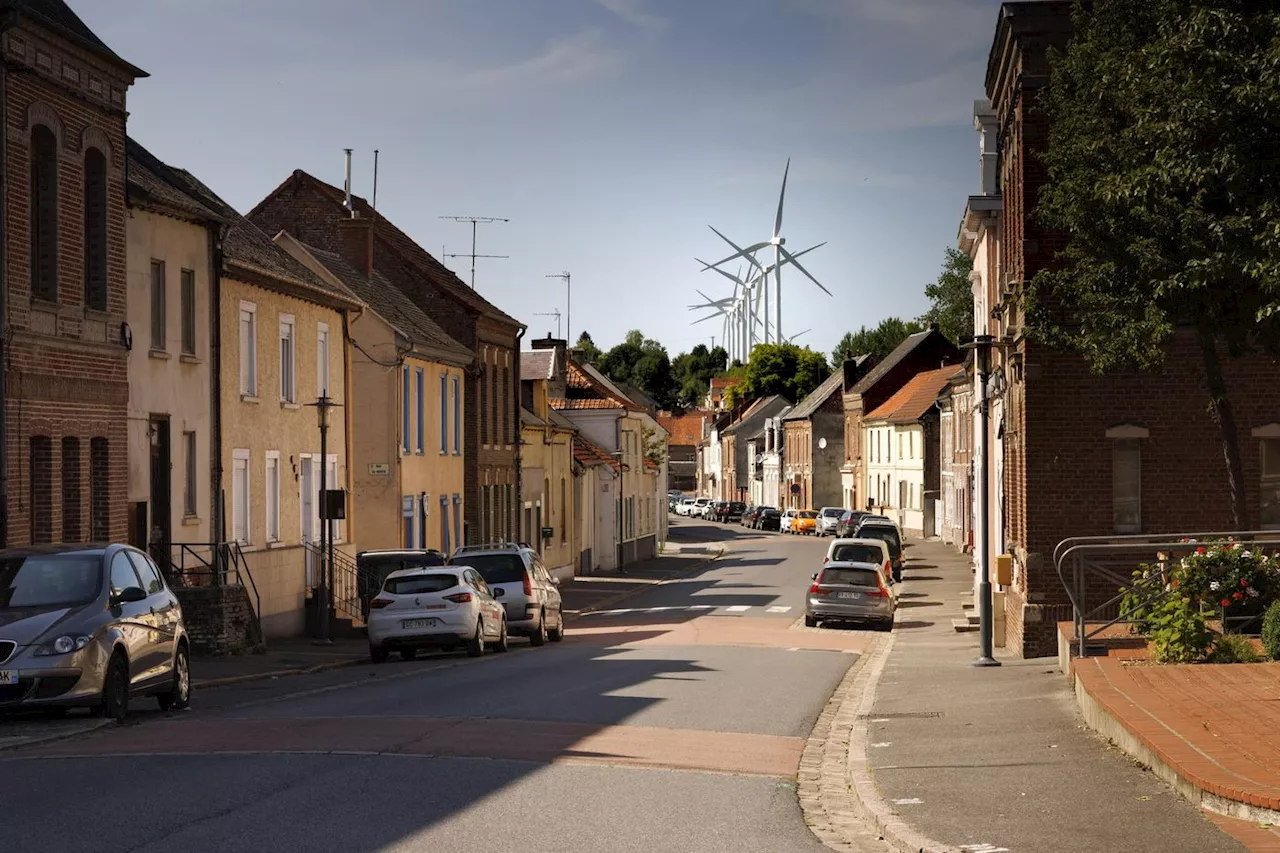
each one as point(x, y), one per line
point(982, 345)
point(324, 604)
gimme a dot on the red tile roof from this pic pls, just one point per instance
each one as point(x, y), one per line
point(585, 392)
point(591, 455)
point(561, 404)
point(650, 465)
point(719, 383)
point(914, 399)
point(686, 430)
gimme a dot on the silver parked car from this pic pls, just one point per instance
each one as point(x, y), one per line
point(91, 626)
point(850, 592)
point(521, 584)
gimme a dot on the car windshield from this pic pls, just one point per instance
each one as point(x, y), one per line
point(855, 552)
point(772, 513)
point(852, 577)
point(808, 513)
point(832, 513)
point(497, 568)
point(887, 534)
point(415, 584)
point(50, 580)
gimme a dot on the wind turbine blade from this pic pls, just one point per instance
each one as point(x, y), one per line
point(740, 252)
point(705, 319)
point(798, 266)
point(777, 223)
point(810, 249)
point(714, 268)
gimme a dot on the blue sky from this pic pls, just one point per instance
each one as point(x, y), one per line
point(610, 132)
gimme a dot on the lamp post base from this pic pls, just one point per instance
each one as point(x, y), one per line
point(986, 662)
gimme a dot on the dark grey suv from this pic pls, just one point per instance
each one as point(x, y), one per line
point(521, 584)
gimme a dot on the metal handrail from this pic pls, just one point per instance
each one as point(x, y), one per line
point(345, 594)
point(223, 561)
point(1121, 549)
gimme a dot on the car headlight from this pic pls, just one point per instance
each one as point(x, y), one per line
point(63, 645)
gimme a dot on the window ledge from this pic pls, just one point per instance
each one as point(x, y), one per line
point(275, 543)
point(159, 353)
point(188, 358)
point(190, 520)
point(40, 304)
point(285, 404)
point(249, 398)
point(97, 314)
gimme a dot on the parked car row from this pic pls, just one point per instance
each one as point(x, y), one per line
point(855, 584)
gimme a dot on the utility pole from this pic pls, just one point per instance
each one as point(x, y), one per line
point(475, 220)
point(568, 304)
point(552, 313)
point(981, 346)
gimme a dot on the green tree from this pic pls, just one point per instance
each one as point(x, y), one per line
point(951, 297)
point(877, 342)
point(1163, 162)
point(586, 350)
point(644, 363)
point(785, 369)
point(693, 371)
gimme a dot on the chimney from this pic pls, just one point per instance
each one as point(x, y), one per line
point(356, 237)
point(558, 385)
point(854, 369)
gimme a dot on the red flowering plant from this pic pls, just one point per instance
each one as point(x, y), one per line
point(1227, 576)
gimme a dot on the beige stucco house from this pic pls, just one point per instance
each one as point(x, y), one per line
point(173, 453)
point(282, 331)
point(551, 499)
point(407, 398)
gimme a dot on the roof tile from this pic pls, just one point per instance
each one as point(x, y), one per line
point(686, 430)
point(915, 398)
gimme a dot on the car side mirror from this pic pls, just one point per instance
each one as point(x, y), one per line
point(498, 591)
point(555, 580)
point(130, 595)
point(814, 576)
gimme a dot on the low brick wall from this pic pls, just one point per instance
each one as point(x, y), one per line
point(219, 620)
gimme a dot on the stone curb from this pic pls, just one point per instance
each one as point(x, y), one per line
point(838, 793)
point(623, 596)
point(50, 738)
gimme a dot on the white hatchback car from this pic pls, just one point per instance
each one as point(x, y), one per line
point(436, 608)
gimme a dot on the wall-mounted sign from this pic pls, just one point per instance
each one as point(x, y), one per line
point(795, 488)
point(379, 469)
point(548, 532)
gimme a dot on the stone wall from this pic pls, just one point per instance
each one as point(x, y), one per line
point(219, 620)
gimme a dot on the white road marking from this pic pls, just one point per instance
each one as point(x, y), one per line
point(912, 801)
point(880, 720)
point(778, 609)
point(882, 745)
point(738, 608)
point(983, 848)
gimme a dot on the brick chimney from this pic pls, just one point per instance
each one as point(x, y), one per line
point(356, 238)
point(558, 386)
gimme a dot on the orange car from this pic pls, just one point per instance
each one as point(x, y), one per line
point(805, 522)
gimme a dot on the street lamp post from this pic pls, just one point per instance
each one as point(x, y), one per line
point(981, 346)
point(324, 605)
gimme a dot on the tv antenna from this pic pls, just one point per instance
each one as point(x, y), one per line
point(554, 312)
point(568, 301)
point(475, 220)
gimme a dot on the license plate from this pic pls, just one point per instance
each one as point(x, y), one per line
point(848, 595)
point(8, 676)
point(409, 624)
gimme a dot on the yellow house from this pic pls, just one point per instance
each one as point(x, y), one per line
point(551, 499)
point(281, 330)
point(407, 380)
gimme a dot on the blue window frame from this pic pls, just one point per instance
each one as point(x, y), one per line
point(404, 412)
point(421, 383)
point(444, 413)
point(457, 416)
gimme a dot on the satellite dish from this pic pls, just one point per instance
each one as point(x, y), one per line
point(822, 444)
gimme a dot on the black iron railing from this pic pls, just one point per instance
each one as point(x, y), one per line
point(1098, 574)
point(190, 564)
point(347, 595)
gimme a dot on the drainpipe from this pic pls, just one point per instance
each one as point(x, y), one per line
point(521, 535)
point(217, 523)
point(8, 17)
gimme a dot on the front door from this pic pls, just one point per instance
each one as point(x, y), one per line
point(161, 475)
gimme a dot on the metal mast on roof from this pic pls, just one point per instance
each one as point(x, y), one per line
point(555, 312)
point(474, 220)
point(568, 301)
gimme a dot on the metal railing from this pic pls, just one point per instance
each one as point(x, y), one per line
point(1097, 573)
point(191, 564)
point(347, 599)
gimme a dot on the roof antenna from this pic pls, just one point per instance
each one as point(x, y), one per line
point(375, 183)
point(347, 186)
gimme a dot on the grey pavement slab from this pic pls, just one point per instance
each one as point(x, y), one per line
point(1000, 756)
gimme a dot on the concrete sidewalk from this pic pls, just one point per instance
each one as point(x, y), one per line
point(999, 759)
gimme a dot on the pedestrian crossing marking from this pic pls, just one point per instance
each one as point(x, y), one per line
point(778, 609)
point(738, 608)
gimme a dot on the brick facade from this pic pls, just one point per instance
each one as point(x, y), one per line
point(313, 212)
point(66, 394)
point(1058, 472)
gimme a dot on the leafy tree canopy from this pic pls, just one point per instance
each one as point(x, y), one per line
point(785, 369)
point(693, 372)
point(877, 342)
point(1163, 162)
point(644, 363)
point(951, 297)
point(586, 349)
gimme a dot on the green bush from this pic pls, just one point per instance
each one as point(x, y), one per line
point(1271, 630)
point(1178, 631)
point(1233, 648)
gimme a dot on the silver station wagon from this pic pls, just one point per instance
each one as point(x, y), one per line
point(850, 592)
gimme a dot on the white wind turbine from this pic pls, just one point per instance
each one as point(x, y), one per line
point(780, 256)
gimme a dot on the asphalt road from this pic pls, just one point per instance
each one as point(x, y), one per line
point(673, 722)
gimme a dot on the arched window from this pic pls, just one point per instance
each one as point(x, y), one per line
point(41, 499)
point(72, 529)
point(99, 490)
point(95, 230)
point(44, 214)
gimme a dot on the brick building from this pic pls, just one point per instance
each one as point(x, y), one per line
point(1083, 454)
point(65, 392)
point(814, 438)
point(735, 472)
point(315, 213)
point(686, 431)
point(866, 390)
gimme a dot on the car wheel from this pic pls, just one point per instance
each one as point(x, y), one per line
point(886, 624)
point(558, 634)
point(115, 690)
point(379, 654)
point(810, 621)
point(502, 645)
point(475, 648)
point(408, 654)
point(539, 635)
point(179, 697)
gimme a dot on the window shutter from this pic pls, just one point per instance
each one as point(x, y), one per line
point(44, 214)
point(95, 230)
